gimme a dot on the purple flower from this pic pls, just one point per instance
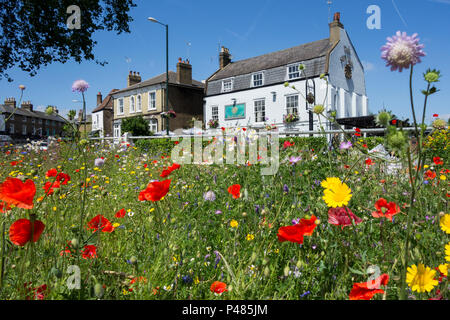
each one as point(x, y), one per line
point(209, 196)
point(345, 145)
point(401, 51)
point(80, 86)
point(99, 162)
point(295, 221)
point(294, 160)
point(218, 212)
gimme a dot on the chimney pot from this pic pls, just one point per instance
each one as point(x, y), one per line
point(337, 16)
point(179, 59)
point(224, 58)
point(335, 28)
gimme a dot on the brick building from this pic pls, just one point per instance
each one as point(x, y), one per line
point(28, 123)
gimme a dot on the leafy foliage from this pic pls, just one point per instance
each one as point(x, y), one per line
point(34, 33)
point(137, 126)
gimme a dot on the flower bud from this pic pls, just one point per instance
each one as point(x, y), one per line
point(74, 242)
point(98, 290)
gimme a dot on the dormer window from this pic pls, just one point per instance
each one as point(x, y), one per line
point(293, 72)
point(257, 79)
point(227, 85)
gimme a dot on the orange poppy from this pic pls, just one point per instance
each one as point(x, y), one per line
point(15, 192)
point(218, 287)
point(385, 209)
point(20, 231)
point(430, 175)
point(235, 191)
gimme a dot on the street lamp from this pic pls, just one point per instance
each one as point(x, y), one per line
point(167, 69)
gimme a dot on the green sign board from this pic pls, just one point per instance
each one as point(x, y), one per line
point(236, 111)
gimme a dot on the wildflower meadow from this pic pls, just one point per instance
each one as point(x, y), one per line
point(360, 218)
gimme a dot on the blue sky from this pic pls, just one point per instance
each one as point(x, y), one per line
point(250, 28)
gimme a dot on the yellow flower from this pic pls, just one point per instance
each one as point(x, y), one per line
point(54, 208)
point(426, 166)
point(115, 225)
point(250, 237)
point(234, 223)
point(445, 223)
point(421, 278)
point(337, 193)
point(447, 252)
point(443, 268)
point(443, 177)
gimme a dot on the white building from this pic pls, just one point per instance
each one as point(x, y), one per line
point(252, 92)
point(102, 115)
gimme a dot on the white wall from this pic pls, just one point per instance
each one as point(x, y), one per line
point(98, 125)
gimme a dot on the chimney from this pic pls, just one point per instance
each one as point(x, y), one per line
point(224, 57)
point(184, 72)
point(99, 98)
point(133, 78)
point(27, 105)
point(335, 28)
point(10, 102)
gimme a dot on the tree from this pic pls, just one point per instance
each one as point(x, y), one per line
point(137, 126)
point(35, 33)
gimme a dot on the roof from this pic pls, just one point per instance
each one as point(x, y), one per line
point(32, 114)
point(271, 60)
point(162, 79)
point(106, 103)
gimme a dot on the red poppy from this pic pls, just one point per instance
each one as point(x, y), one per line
point(117, 156)
point(155, 191)
point(64, 177)
point(235, 191)
point(357, 132)
point(66, 251)
point(430, 175)
point(15, 192)
point(244, 129)
point(296, 232)
point(100, 222)
point(438, 161)
point(13, 163)
point(48, 187)
point(165, 173)
point(218, 287)
point(369, 162)
point(20, 231)
point(385, 209)
point(174, 167)
point(137, 279)
point(223, 129)
point(342, 217)
point(287, 144)
point(39, 292)
point(89, 252)
point(145, 165)
point(365, 145)
point(394, 121)
point(366, 290)
point(346, 166)
point(51, 173)
point(121, 213)
point(435, 115)
point(176, 142)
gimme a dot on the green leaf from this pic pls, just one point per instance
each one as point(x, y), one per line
point(357, 271)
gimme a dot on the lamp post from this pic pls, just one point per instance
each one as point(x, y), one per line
point(167, 70)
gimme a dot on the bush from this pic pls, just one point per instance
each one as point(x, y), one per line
point(437, 144)
point(137, 126)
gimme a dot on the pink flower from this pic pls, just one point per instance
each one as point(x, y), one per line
point(342, 217)
point(401, 51)
point(345, 145)
point(80, 86)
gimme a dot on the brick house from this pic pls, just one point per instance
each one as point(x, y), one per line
point(28, 123)
point(103, 114)
point(147, 98)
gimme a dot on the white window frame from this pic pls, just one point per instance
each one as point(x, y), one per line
point(288, 109)
point(24, 129)
point(254, 80)
point(262, 109)
point(215, 113)
point(120, 105)
point(132, 104)
point(139, 103)
point(153, 123)
point(289, 72)
point(231, 81)
point(151, 101)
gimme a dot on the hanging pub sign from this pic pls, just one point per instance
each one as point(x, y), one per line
point(235, 111)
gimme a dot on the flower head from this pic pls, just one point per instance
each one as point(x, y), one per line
point(155, 191)
point(402, 51)
point(218, 287)
point(385, 209)
point(235, 191)
point(89, 252)
point(345, 145)
point(342, 217)
point(295, 233)
point(99, 162)
point(421, 278)
point(20, 231)
point(15, 192)
point(209, 196)
point(366, 290)
point(99, 222)
point(80, 86)
point(445, 223)
point(336, 193)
